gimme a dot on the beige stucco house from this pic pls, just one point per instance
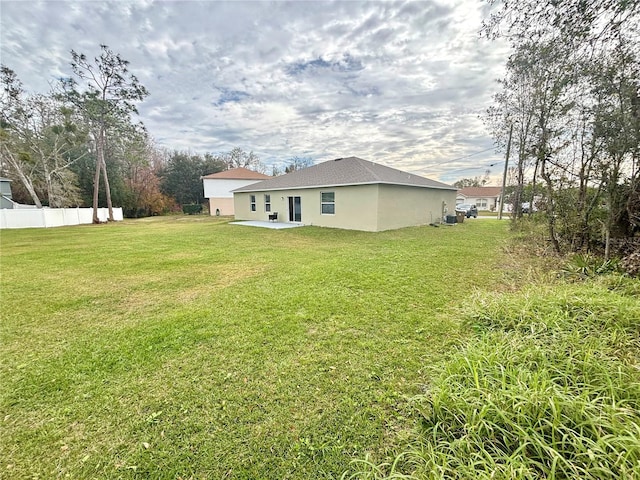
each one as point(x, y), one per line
point(349, 193)
point(218, 188)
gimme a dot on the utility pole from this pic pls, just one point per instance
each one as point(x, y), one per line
point(504, 175)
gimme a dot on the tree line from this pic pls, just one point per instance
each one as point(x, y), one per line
point(80, 144)
point(569, 115)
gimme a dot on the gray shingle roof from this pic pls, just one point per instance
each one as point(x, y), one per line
point(342, 172)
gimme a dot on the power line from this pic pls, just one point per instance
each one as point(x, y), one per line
point(476, 167)
point(461, 158)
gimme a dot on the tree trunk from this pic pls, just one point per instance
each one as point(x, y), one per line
point(533, 188)
point(551, 219)
point(23, 178)
point(102, 164)
point(96, 177)
point(51, 196)
point(107, 189)
point(29, 186)
point(519, 191)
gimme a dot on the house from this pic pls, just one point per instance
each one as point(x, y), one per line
point(349, 193)
point(484, 198)
point(6, 199)
point(218, 187)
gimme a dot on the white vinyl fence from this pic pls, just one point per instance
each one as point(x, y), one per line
point(52, 217)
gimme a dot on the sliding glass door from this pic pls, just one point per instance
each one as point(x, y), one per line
point(295, 209)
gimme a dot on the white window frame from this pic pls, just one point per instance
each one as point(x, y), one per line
point(267, 202)
point(331, 203)
point(482, 203)
point(252, 203)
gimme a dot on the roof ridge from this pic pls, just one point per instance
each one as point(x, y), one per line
point(370, 170)
point(345, 171)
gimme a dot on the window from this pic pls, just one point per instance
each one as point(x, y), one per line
point(252, 200)
point(328, 203)
point(481, 203)
point(267, 203)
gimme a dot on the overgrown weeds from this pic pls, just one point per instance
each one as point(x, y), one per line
point(548, 388)
point(582, 266)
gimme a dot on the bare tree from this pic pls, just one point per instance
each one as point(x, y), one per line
point(570, 92)
point(40, 142)
point(238, 158)
point(107, 95)
point(298, 163)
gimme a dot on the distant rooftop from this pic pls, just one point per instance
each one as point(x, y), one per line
point(343, 172)
point(238, 174)
point(480, 191)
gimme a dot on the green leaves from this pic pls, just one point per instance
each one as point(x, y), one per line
point(569, 94)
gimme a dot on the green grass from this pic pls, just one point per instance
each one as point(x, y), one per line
point(548, 388)
point(185, 347)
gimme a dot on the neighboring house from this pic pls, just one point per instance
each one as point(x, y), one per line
point(349, 193)
point(218, 187)
point(484, 198)
point(6, 199)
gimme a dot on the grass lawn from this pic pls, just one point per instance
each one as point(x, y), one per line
point(185, 347)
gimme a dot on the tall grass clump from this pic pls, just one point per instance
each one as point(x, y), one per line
point(547, 387)
point(582, 266)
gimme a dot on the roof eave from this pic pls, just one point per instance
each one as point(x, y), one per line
point(306, 187)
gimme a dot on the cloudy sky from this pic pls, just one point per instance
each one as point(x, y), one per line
point(398, 83)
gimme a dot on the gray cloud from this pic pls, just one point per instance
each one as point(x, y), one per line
point(401, 83)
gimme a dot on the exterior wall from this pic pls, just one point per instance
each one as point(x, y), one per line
point(219, 189)
point(5, 188)
point(222, 187)
point(225, 205)
point(355, 206)
point(369, 208)
point(6, 202)
point(400, 206)
point(242, 206)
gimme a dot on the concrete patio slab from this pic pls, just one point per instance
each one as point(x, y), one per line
point(272, 225)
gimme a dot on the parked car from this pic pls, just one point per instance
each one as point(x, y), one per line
point(527, 207)
point(468, 210)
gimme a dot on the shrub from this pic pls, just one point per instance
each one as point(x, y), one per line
point(583, 266)
point(192, 209)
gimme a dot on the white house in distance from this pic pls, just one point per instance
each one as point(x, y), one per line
point(349, 193)
point(218, 188)
point(484, 198)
